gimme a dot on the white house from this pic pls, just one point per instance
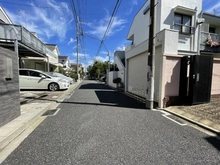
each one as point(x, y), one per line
point(180, 28)
point(40, 63)
point(65, 61)
point(32, 52)
point(119, 61)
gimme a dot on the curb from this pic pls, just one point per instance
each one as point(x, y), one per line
point(213, 130)
point(17, 131)
point(12, 133)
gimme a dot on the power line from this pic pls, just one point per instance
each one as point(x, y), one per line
point(109, 24)
point(22, 4)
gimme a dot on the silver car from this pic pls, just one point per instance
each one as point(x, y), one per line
point(35, 79)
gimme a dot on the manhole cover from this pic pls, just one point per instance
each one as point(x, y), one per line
point(51, 112)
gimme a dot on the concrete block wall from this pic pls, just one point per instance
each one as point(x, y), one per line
point(9, 86)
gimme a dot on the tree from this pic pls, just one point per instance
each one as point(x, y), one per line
point(61, 70)
point(97, 69)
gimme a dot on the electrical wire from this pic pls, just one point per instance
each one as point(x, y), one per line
point(109, 24)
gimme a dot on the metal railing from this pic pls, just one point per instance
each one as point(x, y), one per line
point(211, 46)
point(204, 36)
point(32, 41)
point(11, 32)
point(48, 51)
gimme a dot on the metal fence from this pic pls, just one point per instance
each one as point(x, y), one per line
point(10, 32)
point(205, 35)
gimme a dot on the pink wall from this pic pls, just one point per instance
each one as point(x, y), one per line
point(171, 76)
point(216, 78)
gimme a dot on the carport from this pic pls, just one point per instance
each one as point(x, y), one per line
point(23, 42)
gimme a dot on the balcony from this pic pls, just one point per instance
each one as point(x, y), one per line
point(29, 44)
point(213, 46)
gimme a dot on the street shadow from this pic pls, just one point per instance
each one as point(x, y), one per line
point(94, 86)
point(41, 90)
point(119, 99)
point(132, 104)
point(214, 141)
point(106, 95)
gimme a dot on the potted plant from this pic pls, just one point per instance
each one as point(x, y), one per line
point(117, 81)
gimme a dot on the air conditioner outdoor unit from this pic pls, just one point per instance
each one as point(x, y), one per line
point(200, 20)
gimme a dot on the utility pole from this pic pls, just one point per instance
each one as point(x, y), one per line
point(77, 48)
point(151, 57)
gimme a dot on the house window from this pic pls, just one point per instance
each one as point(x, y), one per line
point(183, 23)
point(211, 30)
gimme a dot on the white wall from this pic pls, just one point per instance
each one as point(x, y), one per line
point(4, 16)
point(140, 26)
point(137, 75)
point(111, 76)
point(115, 74)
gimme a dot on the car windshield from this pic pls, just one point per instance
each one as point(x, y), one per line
point(51, 74)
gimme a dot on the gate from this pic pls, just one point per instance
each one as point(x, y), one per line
point(196, 79)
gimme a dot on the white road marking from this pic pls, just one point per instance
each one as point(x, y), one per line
point(165, 115)
point(56, 112)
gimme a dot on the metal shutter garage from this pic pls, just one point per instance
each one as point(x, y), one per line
point(137, 75)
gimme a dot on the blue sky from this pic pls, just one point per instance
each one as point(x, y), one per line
point(53, 21)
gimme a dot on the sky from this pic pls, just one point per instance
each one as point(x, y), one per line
point(54, 23)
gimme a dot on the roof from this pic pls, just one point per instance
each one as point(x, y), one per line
point(6, 16)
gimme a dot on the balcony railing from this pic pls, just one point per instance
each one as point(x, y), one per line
point(207, 47)
point(48, 51)
point(9, 32)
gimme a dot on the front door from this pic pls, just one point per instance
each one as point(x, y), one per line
point(200, 79)
point(196, 79)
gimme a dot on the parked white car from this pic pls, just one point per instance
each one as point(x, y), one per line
point(35, 79)
point(55, 74)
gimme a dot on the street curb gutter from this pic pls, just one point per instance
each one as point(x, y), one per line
point(213, 130)
point(13, 129)
point(217, 132)
point(21, 126)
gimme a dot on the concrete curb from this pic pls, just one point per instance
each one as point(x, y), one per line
point(14, 128)
point(208, 127)
point(205, 126)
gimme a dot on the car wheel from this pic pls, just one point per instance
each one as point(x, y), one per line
point(53, 87)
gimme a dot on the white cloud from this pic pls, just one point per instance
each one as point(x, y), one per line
point(71, 41)
point(80, 54)
point(214, 9)
point(120, 48)
point(104, 52)
point(99, 29)
point(46, 22)
point(100, 58)
point(132, 4)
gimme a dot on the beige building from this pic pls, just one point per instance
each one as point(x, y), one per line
point(182, 73)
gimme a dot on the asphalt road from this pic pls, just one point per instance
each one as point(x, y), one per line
point(100, 126)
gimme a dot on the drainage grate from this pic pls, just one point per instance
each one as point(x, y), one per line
point(51, 112)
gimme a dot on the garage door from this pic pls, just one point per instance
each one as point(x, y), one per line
point(137, 75)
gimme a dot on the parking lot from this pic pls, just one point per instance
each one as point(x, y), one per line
point(42, 96)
